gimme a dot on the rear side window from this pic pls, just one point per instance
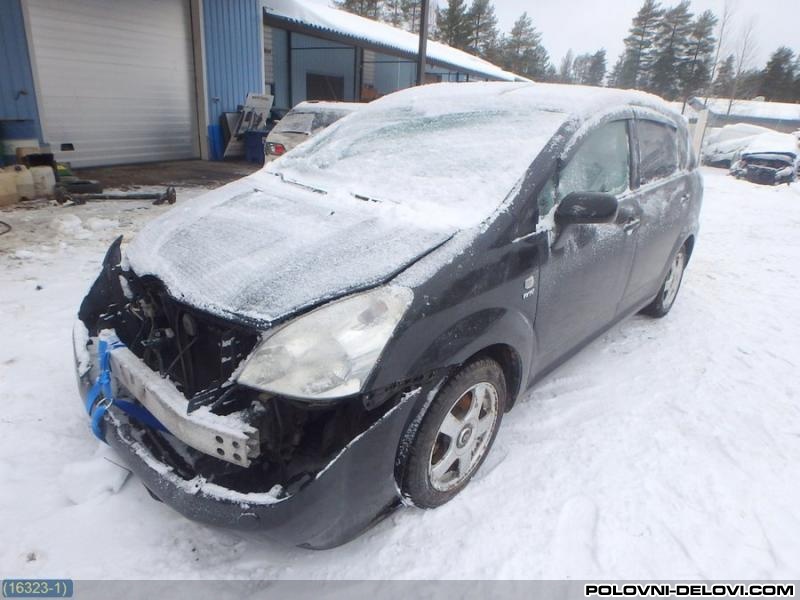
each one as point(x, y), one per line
point(658, 151)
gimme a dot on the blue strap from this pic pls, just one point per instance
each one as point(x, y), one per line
point(101, 395)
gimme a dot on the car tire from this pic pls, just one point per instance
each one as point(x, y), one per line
point(455, 434)
point(668, 291)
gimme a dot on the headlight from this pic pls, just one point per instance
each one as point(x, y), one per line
point(331, 351)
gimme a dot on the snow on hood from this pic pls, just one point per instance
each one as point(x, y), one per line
point(259, 249)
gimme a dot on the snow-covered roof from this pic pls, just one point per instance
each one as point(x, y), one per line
point(773, 142)
point(325, 19)
point(754, 108)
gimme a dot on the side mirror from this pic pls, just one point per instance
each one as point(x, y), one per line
point(586, 207)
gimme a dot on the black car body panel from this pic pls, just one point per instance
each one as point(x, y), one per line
point(517, 288)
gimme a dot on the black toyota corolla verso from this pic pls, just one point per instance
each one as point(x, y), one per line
point(305, 349)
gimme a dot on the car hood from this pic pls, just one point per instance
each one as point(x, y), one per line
point(260, 249)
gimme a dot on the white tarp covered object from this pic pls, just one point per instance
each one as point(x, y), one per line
point(724, 144)
point(360, 28)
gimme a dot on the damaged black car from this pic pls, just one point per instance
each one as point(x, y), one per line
point(306, 349)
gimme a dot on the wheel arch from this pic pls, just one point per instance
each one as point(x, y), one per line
point(511, 363)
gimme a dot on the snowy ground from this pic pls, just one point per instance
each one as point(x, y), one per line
point(667, 449)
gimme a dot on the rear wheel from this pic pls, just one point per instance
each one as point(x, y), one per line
point(669, 289)
point(456, 434)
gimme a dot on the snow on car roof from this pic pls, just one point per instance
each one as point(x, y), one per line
point(772, 143)
point(447, 154)
point(319, 106)
point(344, 23)
point(574, 100)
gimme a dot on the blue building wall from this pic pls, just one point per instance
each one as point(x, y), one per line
point(18, 114)
point(232, 32)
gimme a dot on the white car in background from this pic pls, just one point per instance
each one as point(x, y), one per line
point(723, 144)
point(304, 121)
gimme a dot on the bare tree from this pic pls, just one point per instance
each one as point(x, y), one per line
point(745, 50)
point(728, 12)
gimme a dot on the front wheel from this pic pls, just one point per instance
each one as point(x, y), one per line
point(669, 289)
point(455, 434)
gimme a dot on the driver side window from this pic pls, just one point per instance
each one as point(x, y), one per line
point(601, 164)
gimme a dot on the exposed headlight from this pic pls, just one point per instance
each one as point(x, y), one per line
point(331, 351)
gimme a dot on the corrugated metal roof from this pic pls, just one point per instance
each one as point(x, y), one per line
point(342, 23)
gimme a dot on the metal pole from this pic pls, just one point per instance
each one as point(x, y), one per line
point(423, 41)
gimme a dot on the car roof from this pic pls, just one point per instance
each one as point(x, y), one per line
point(574, 101)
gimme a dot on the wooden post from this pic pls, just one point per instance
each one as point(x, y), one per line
point(423, 41)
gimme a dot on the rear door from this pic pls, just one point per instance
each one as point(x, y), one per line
point(583, 277)
point(663, 195)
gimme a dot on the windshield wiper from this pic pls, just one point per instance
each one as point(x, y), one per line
point(305, 186)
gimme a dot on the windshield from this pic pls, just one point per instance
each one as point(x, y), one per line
point(295, 123)
point(457, 161)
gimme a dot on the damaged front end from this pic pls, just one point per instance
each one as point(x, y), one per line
point(311, 473)
point(766, 168)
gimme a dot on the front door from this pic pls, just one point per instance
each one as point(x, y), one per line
point(663, 196)
point(583, 276)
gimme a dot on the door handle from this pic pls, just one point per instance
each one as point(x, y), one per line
point(631, 225)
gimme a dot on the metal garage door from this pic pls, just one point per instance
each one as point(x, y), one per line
point(116, 79)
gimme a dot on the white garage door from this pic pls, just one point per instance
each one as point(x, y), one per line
point(116, 79)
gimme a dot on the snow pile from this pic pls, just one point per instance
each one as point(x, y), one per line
point(85, 480)
point(71, 225)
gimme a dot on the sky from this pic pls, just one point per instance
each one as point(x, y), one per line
point(588, 25)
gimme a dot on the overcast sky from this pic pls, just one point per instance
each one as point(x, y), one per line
point(588, 25)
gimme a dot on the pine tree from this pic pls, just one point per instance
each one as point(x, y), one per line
point(580, 68)
point(696, 72)
point(482, 24)
point(723, 84)
point(523, 52)
point(452, 24)
point(365, 8)
point(669, 52)
point(796, 87)
point(615, 78)
point(392, 13)
point(565, 69)
point(411, 14)
point(778, 76)
point(597, 69)
point(635, 67)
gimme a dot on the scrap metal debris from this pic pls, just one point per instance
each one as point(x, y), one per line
point(167, 197)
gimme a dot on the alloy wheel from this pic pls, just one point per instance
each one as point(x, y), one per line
point(463, 437)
